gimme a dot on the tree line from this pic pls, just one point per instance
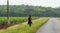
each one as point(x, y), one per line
point(26, 10)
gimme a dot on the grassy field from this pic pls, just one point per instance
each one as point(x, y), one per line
point(3, 20)
point(24, 28)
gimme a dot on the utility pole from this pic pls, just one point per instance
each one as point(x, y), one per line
point(8, 11)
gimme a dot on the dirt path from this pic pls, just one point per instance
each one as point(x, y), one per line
point(14, 25)
point(24, 23)
point(52, 26)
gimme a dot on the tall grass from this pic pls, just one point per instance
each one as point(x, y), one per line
point(3, 20)
point(24, 28)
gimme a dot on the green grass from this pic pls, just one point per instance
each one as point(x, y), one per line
point(3, 20)
point(24, 28)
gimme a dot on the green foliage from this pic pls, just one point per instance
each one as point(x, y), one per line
point(25, 10)
point(14, 20)
point(24, 28)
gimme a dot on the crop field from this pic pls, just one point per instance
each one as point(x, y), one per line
point(13, 20)
point(24, 27)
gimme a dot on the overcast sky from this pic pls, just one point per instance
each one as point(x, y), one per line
point(52, 3)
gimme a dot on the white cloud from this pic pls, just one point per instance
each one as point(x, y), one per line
point(52, 3)
point(3, 2)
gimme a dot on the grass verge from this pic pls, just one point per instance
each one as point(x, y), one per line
point(24, 28)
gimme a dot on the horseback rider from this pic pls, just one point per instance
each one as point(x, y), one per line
point(29, 20)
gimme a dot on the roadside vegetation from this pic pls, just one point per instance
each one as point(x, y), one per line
point(14, 20)
point(24, 28)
